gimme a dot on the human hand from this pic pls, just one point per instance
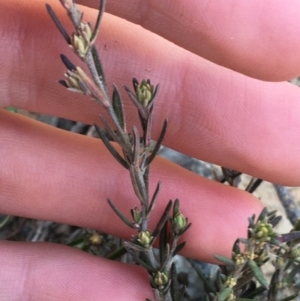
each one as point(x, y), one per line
point(214, 114)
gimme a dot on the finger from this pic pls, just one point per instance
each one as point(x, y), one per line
point(39, 271)
point(50, 174)
point(259, 39)
point(214, 114)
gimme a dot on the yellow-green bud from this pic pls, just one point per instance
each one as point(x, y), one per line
point(86, 31)
point(230, 282)
point(144, 93)
point(180, 220)
point(144, 238)
point(161, 279)
point(239, 259)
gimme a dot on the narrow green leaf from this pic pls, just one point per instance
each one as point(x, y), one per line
point(158, 143)
point(174, 284)
point(236, 247)
point(263, 214)
point(109, 146)
point(274, 222)
point(58, 24)
point(118, 106)
point(138, 184)
point(153, 200)
point(98, 21)
point(163, 242)
point(69, 65)
point(224, 294)
point(258, 273)
point(148, 130)
point(120, 214)
point(162, 220)
point(179, 248)
point(138, 260)
point(175, 208)
point(110, 131)
point(224, 259)
point(136, 145)
point(99, 68)
point(272, 293)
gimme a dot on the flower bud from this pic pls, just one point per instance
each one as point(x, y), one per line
point(144, 238)
point(144, 92)
point(86, 31)
point(79, 45)
point(161, 279)
point(230, 282)
point(179, 223)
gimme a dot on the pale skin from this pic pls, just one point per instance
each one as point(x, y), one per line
point(248, 123)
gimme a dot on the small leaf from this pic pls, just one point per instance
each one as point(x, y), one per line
point(69, 65)
point(272, 293)
point(274, 222)
point(258, 273)
point(158, 143)
point(110, 131)
point(136, 146)
point(174, 284)
point(120, 214)
point(175, 208)
point(58, 24)
point(138, 184)
point(153, 200)
point(99, 68)
point(223, 295)
point(141, 262)
point(224, 259)
point(63, 83)
point(162, 220)
point(289, 236)
point(109, 146)
point(263, 215)
point(179, 248)
point(163, 242)
point(98, 21)
point(236, 247)
point(118, 106)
